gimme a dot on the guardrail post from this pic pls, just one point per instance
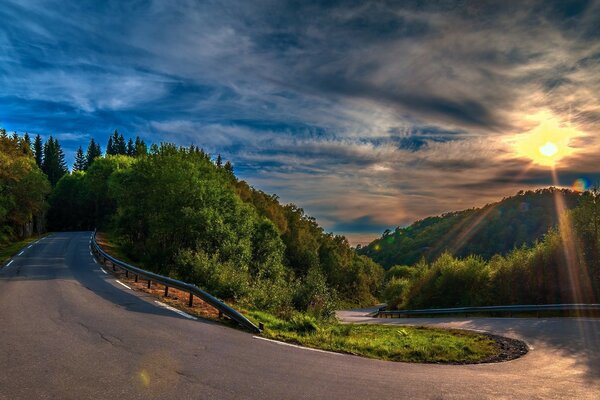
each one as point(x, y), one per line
point(191, 302)
point(166, 291)
point(220, 314)
point(126, 273)
point(136, 278)
point(149, 283)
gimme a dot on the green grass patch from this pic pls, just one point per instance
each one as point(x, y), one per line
point(384, 342)
point(10, 249)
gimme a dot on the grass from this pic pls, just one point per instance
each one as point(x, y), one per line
point(384, 342)
point(10, 249)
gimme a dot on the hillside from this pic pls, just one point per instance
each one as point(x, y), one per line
point(496, 228)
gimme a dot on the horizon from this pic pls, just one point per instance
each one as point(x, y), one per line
point(368, 116)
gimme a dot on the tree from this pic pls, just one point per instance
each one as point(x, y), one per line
point(38, 150)
point(80, 163)
point(23, 189)
point(140, 147)
point(54, 165)
point(110, 147)
point(26, 144)
point(120, 146)
point(130, 148)
point(93, 152)
point(219, 161)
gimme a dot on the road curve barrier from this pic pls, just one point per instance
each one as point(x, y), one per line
point(383, 313)
point(193, 290)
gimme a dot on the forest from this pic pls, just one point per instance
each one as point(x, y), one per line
point(179, 212)
point(496, 228)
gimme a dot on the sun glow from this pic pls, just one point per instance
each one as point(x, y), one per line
point(547, 143)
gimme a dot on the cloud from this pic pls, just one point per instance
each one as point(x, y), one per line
point(367, 114)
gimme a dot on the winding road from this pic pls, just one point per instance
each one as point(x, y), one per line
point(70, 331)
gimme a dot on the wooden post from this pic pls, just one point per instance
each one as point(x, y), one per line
point(166, 291)
point(191, 302)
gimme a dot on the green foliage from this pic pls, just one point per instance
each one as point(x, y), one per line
point(412, 344)
point(494, 229)
point(181, 214)
point(54, 165)
point(80, 163)
point(23, 188)
point(561, 268)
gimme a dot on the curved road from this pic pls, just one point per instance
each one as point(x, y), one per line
point(69, 331)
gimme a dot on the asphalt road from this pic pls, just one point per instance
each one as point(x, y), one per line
point(69, 331)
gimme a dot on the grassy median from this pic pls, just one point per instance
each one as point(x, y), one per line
point(384, 342)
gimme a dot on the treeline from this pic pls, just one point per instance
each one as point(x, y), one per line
point(23, 189)
point(562, 267)
point(182, 214)
point(494, 229)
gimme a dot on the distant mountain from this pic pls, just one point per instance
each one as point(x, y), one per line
point(495, 228)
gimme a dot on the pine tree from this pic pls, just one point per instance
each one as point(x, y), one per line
point(219, 161)
point(228, 167)
point(93, 152)
point(38, 149)
point(130, 148)
point(120, 144)
point(26, 144)
point(110, 147)
point(140, 147)
point(54, 165)
point(80, 163)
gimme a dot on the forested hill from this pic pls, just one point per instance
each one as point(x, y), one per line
point(495, 228)
point(182, 212)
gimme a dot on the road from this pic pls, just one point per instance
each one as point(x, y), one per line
point(69, 331)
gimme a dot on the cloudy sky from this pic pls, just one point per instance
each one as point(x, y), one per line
point(369, 115)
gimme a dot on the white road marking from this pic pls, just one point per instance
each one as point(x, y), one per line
point(102, 269)
point(296, 346)
point(122, 284)
point(29, 246)
point(21, 253)
point(91, 255)
point(96, 261)
point(11, 261)
point(168, 307)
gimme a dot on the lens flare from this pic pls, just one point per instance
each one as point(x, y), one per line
point(581, 185)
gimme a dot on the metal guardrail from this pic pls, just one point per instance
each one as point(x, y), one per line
point(193, 290)
point(382, 313)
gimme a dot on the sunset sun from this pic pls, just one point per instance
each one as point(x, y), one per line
point(548, 143)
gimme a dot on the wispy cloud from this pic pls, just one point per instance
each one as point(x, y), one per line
point(368, 114)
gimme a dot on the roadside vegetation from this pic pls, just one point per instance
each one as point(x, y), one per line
point(559, 268)
point(182, 213)
point(384, 342)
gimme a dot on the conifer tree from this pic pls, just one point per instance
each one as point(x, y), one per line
point(93, 152)
point(80, 163)
point(54, 165)
point(130, 148)
point(120, 144)
point(219, 161)
point(26, 144)
point(110, 147)
point(140, 147)
point(38, 149)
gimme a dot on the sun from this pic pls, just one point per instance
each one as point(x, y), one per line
point(549, 149)
point(548, 143)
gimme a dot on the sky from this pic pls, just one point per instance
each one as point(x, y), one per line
point(369, 115)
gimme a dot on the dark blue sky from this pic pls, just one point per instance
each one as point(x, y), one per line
point(367, 114)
